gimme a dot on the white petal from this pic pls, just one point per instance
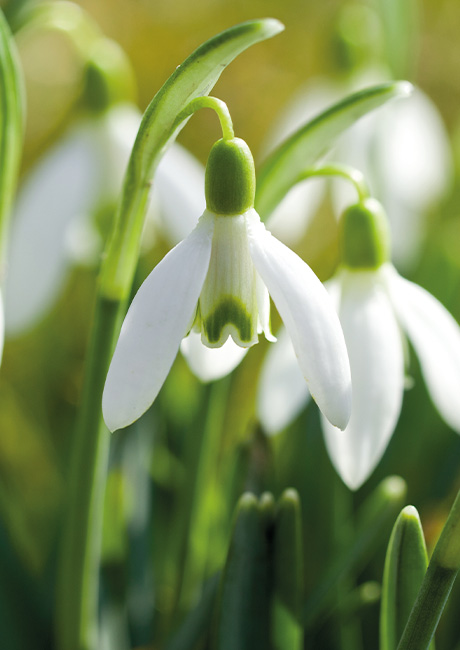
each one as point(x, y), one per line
point(155, 324)
point(292, 216)
point(63, 185)
point(178, 193)
point(116, 132)
point(435, 335)
point(310, 319)
point(282, 391)
point(209, 364)
point(377, 372)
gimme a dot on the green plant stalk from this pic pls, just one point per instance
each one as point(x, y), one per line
point(77, 587)
point(436, 586)
point(77, 593)
point(206, 488)
point(348, 173)
point(11, 129)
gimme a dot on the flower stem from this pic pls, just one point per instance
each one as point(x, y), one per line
point(216, 105)
point(76, 606)
point(346, 172)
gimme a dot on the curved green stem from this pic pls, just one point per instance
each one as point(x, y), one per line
point(346, 172)
point(216, 105)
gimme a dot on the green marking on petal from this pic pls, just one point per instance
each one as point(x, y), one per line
point(229, 311)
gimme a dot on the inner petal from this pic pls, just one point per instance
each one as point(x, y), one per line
point(228, 301)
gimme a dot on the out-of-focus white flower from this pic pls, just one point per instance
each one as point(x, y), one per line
point(402, 149)
point(217, 281)
point(53, 223)
point(376, 308)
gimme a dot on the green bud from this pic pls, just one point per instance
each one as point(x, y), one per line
point(364, 235)
point(109, 78)
point(230, 177)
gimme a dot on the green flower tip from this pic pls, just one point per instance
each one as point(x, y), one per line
point(230, 182)
point(109, 77)
point(364, 235)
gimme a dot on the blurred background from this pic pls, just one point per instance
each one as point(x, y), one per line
point(147, 535)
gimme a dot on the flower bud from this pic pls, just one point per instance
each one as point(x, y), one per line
point(364, 236)
point(230, 181)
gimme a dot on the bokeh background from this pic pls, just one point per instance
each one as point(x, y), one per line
point(42, 370)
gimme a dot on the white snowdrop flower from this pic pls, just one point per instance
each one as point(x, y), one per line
point(377, 310)
point(53, 224)
point(217, 282)
point(402, 149)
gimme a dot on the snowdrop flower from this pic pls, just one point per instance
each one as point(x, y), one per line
point(53, 225)
point(402, 149)
point(377, 310)
point(216, 282)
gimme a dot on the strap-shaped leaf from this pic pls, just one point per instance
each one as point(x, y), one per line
point(288, 572)
point(304, 147)
point(243, 611)
point(11, 125)
point(161, 123)
point(405, 566)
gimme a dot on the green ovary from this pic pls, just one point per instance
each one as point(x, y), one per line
point(229, 311)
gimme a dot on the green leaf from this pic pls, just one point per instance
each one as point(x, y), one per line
point(436, 586)
point(405, 567)
point(372, 521)
point(161, 123)
point(288, 572)
point(243, 615)
point(303, 148)
point(11, 126)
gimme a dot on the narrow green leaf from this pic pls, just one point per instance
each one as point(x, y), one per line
point(288, 572)
point(198, 622)
point(373, 519)
point(161, 123)
point(303, 148)
point(405, 567)
point(11, 127)
point(436, 586)
point(243, 618)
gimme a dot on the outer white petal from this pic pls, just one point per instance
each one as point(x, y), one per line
point(209, 364)
point(435, 335)
point(155, 324)
point(63, 185)
point(310, 319)
point(282, 391)
point(178, 193)
point(377, 372)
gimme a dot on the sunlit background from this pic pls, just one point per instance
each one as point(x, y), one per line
point(148, 537)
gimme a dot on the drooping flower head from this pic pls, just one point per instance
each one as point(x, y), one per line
point(217, 282)
point(376, 307)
